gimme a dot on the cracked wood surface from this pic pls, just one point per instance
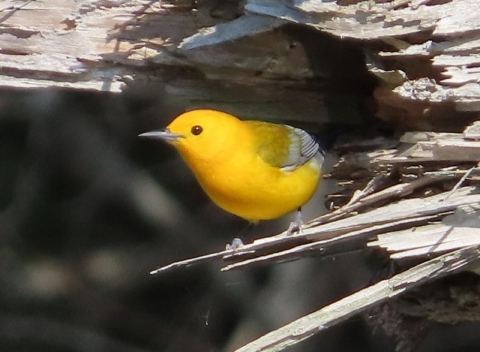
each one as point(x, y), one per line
point(423, 52)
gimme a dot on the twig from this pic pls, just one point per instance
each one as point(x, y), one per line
point(390, 192)
point(369, 188)
point(459, 183)
point(197, 260)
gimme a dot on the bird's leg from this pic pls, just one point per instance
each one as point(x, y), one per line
point(296, 225)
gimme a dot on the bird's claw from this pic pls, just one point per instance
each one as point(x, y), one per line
point(296, 225)
point(236, 243)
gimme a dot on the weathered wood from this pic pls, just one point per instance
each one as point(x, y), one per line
point(425, 146)
point(455, 231)
point(85, 44)
point(249, 69)
point(360, 301)
point(109, 46)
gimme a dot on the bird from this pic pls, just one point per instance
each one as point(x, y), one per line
point(256, 170)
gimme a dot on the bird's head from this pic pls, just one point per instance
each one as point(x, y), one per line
point(202, 135)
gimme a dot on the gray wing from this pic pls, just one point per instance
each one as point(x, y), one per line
point(303, 147)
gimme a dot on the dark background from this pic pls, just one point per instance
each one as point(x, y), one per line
point(87, 209)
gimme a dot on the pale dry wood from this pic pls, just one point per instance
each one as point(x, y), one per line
point(352, 240)
point(85, 44)
point(109, 45)
point(187, 262)
point(428, 146)
point(458, 21)
point(363, 20)
point(459, 230)
point(414, 159)
point(396, 191)
point(250, 70)
point(459, 183)
point(362, 300)
point(245, 25)
point(472, 132)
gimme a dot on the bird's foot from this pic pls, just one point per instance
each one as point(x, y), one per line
point(296, 225)
point(236, 243)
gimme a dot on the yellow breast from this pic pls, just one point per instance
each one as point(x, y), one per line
point(256, 191)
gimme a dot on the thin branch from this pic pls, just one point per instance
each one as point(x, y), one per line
point(459, 183)
point(196, 260)
point(395, 191)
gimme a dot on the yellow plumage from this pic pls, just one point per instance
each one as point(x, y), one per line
point(253, 169)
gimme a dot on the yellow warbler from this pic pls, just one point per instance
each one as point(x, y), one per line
point(256, 170)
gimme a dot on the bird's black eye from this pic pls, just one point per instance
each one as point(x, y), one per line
point(196, 130)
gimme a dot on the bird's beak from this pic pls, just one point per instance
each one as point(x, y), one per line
point(165, 134)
